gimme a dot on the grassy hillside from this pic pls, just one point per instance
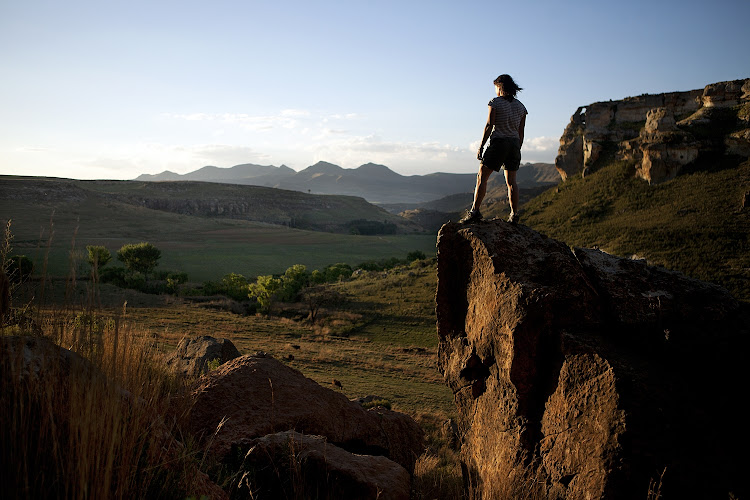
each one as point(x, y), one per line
point(694, 223)
point(56, 220)
point(329, 213)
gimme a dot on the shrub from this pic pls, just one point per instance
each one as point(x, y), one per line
point(174, 280)
point(140, 257)
point(234, 286)
point(376, 403)
point(337, 272)
point(114, 276)
point(135, 280)
point(264, 290)
point(415, 255)
point(294, 279)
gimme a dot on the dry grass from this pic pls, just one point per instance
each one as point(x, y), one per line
point(437, 473)
point(99, 431)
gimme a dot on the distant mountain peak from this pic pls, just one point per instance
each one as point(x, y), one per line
point(162, 176)
point(323, 167)
point(376, 170)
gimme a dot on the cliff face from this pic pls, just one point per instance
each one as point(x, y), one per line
point(661, 133)
point(589, 372)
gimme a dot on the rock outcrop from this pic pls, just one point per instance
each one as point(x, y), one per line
point(257, 395)
point(293, 465)
point(192, 356)
point(660, 133)
point(591, 373)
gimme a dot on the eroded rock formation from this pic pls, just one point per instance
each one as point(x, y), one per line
point(661, 133)
point(588, 372)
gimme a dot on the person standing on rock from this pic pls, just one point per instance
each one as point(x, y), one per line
point(505, 127)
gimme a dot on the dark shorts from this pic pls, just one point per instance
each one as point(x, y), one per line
point(502, 152)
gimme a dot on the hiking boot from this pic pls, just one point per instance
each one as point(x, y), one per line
point(471, 216)
point(514, 218)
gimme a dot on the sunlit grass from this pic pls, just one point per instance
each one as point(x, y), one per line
point(694, 223)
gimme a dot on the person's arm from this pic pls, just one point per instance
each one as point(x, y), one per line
point(521, 128)
point(487, 131)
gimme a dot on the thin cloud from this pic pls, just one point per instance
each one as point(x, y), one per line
point(541, 144)
point(357, 150)
point(227, 155)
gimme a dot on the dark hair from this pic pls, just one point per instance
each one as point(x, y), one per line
point(508, 86)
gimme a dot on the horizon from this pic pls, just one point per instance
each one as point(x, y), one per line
point(523, 164)
point(113, 91)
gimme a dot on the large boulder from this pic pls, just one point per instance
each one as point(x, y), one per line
point(590, 373)
point(293, 465)
point(192, 356)
point(256, 395)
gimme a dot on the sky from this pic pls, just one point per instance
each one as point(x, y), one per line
point(114, 89)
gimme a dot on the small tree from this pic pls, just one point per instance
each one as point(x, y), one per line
point(99, 256)
point(293, 280)
point(139, 257)
point(235, 286)
point(317, 277)
point(319, 296)
point(264, 290)
point(337, 272)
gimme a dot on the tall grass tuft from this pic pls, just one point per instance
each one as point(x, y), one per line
point(87, 409)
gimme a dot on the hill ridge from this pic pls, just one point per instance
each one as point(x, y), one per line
point(374, 182)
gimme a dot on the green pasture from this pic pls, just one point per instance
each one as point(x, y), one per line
point(205, 248)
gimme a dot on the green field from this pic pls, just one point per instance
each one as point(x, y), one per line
point(206, 248)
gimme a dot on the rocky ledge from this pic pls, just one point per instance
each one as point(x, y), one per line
point(660, 133)
point(592, 374)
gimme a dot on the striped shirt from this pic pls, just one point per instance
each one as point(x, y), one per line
point(508, 115)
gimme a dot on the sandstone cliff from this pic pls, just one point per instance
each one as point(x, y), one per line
point(591, 373)
point(661, 133)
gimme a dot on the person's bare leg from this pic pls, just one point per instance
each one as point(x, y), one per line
point(510, 180)
point(481, 188)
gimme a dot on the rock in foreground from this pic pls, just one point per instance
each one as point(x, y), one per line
point(258, 395)
point(292, 465)
point(592, 373)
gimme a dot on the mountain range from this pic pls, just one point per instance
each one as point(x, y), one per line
point(375, 183)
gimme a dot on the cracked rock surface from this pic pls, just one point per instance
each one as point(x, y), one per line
point(590, 372)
